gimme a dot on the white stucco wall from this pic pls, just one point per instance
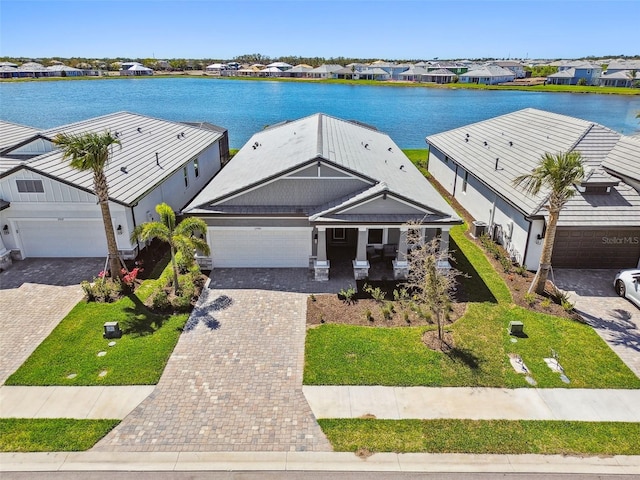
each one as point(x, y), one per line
point(486, 206)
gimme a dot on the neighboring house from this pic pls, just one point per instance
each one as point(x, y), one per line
point(393, 70)
point(216, 68)
point(516, 67)
point(598, 228)
point(374, 73)
point(64, 71)
point(50, 210)
point(624, 78)
point(316, 192)
point(616, 66)
point(413, 74)
point(300, 71)
point(440, 75)
point(570, 73)
point(282, 66)
point(136, 70)
point(488, 75)
point(623, 161)
point(324, 71)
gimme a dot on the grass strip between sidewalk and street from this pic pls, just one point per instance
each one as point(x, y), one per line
point(51, 434)
point(365, 436)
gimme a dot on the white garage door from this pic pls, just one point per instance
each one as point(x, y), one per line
point(260, 248)
point(62, 238)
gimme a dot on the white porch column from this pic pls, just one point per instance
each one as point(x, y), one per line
point(444, 247)
point(361, 264)
point(401, 264)
point(361, 254)
point(321, 264)
point(322, 244)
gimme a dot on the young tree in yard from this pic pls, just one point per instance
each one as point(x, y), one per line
point(181, 237)
point(556, 174)
point(91, 151)
point(430, 285)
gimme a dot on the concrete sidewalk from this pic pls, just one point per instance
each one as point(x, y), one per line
point(474, 403)
point(315, 461)
point(71, 402)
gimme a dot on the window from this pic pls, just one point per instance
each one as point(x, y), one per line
point(375, 235)
point(196, 168)
point(339, 234)
point(30, 186)
point(465, 181)
point(186, 176)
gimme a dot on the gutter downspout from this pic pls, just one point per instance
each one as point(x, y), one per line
point(455, 181)
point(133, 217)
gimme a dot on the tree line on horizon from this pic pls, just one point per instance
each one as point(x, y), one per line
point(113, 63)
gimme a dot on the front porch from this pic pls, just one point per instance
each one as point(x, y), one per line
point(374, 252)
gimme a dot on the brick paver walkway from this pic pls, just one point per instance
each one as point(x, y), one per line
point(615, 319)
point(35, 294)
point(234, 381)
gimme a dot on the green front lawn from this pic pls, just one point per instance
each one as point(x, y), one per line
point(338, 354)
point(352, 355)
point(138, 358)
point(51, 434)
point(483, 437)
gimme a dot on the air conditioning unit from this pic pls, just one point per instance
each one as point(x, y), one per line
point(478, 228)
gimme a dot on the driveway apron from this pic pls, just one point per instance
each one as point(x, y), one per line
point(233, 383)
point(615, 319)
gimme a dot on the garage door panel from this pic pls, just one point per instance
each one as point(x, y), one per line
point(597, 248)
point(62, 238)
point(260, 247)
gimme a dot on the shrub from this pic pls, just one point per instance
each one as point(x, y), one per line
point(546, 303)
point(376, 293)
point(348, 294)
point(368, 316)
point(521, 270)
point(312, 297)
point(101, 290)
point(159, 300)
point(530, 298)
point(386, 312)
point(405, 315)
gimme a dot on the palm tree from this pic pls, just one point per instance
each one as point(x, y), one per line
point(180, 237)
point(91, 151)
point(557, 174)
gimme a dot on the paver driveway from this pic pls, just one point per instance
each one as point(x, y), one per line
point(615, 319)
point(234, 381)
point(35, 294)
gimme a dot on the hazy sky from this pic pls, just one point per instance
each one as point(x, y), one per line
point(412, 29)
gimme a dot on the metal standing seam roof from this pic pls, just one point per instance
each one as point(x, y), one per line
point(132, 170)
point(624, 158)
point(533, 133)
point(12, 134)
point(488, 71)
point(356, 148)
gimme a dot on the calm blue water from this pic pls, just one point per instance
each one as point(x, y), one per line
point(244, 107)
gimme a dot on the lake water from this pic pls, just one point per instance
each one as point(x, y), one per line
point(407, 114)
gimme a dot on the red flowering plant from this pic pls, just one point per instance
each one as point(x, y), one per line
point(129, 278)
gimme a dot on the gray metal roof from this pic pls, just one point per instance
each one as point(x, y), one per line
point(489, 71)
point(620, 208)
point(363, 151)
point(142, 138)
point(518, 140)
point(624, 158)
point(12, 134)
point(326, 68)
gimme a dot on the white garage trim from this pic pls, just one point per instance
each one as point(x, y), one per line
point(272, 247)
point(67, 237)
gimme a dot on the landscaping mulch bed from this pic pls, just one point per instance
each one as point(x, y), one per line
point(328, 308)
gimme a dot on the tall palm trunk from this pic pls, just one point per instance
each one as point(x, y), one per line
point(176, 286)
point(542, 274)
point(102, 192)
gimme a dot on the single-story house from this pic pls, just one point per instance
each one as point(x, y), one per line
point(60, 70)
point(413, 74)
point(598, 228)
point(488, 75)
point(314, 191)
point(300, 71)
point(49, 209)
point(619, 78)
point(440, 75)
point(136, 71)
point(324, 71)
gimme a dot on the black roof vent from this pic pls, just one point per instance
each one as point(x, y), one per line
point(139, 129)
